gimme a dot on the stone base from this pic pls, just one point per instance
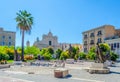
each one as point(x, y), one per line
point(98, 68)
point(99, 71)
point(60, 73)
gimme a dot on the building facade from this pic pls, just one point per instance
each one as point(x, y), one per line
point(97, 35)
point(66, 46)
point(47, 40)
point(7, 38)
point(52, 41)
point(114, 43)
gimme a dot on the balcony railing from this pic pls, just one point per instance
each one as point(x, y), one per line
point(92, 36)
point(99, 34)
point(92, 43)
point(85, 37)
point(85, 43)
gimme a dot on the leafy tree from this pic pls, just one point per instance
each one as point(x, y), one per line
point(4, 56)
point(47, 56)
point(47, 53)
point(82, 55)
point(91, 55)
point(32, 50)
point(43, 51)
point(104, 47)
point(19, 49)
point(10, 52)
point(24, 23)
point(113, 56)
point(58, 53)
point(64, 55)
point(50, 50)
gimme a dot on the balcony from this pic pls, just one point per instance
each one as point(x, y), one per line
point(85, 37)
point(99, 34)
point(92, 43)
point(85, 43)
point(92, 36)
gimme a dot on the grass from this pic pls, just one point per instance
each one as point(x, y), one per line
point(10, 61)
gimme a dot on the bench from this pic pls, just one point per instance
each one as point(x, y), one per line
point(70, 61)
point(60, 72)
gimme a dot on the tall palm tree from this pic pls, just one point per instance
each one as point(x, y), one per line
point(24, 23)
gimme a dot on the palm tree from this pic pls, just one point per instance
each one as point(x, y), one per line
point(24, 23)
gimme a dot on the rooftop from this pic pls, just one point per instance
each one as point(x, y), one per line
point(103, 26)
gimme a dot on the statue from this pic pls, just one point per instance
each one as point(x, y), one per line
point(16, 56)
point(100, 57)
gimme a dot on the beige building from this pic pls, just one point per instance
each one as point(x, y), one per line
point(7, 38)
point(66, 46)
point(97, 35)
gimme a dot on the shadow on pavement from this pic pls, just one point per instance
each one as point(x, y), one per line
point(67, 77)
point(113, 72)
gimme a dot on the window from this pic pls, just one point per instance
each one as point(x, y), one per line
point(92, 42)
point(3, 43)
point(99, 40)
point(99, 33)
point(9, 37)
point(9, 43)
point(85, 49)
point(50, 43)
point(92, 35)
point(85, 36)
point(118, 45)
point(3, 37)
point(85, 42)
point(114, 45)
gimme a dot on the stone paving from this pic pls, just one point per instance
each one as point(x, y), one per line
point(45, 74)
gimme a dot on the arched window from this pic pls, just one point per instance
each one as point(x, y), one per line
point(50, 43)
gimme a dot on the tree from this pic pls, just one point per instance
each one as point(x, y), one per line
point(32, 51)
point(82, 55)
point(58, 53)
point(10, 52)
point(104, 47)
point(50, 50)
point(113, 56)
point(64, 55)
point(24, 23)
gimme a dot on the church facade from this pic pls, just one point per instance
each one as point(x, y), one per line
point(48, 40)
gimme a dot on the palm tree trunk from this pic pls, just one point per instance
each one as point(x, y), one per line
point(22, 57)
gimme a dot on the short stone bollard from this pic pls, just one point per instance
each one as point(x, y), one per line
point(61, 72)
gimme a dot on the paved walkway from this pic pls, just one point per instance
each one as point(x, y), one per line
point(46, 74)
point(9, 79)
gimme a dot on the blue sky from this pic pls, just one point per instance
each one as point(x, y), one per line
point(67, 19)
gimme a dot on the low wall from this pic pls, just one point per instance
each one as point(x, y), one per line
point(4, 66)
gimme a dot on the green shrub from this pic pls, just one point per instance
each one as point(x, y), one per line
point(82, 55)
point(64, 55)
point(4, 56)
point(47, 56)
point(113, 56)
point(91, 55)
